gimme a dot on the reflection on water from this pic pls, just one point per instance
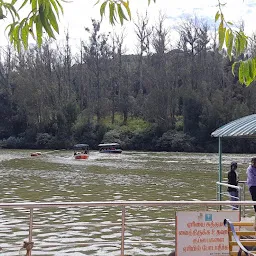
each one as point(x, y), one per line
point(56, 177)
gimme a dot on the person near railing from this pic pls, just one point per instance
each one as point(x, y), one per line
point(251, 182)
point(233, 180)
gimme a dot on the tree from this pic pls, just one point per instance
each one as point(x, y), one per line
point(143, 33)
point(118, 95)
point(161, 97)
point(43, 16)
point(97, 54)
point(235, 39)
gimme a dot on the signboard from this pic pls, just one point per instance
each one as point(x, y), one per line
point(203, 233)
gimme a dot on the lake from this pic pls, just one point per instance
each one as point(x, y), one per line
point(56, 177)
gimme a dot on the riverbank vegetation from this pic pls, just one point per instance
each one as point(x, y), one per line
point(169, 96)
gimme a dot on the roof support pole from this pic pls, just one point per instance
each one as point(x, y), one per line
point(220, 169)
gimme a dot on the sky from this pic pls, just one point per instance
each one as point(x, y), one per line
point(78, 15)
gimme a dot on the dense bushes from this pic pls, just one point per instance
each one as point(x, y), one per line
point(136, 135)
point(175, 141)
point(12, 142)
point(43, 139)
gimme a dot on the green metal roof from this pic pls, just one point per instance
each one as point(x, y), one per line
point(242, 127)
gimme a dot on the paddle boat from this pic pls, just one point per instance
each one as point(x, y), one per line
point(110, 148)
point(81, 151)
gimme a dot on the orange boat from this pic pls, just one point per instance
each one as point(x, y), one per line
point(81, 151)
point(81, 156)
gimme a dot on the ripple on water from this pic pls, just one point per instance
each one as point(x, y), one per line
point(57, 177)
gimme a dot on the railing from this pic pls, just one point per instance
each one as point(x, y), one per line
point(241, 193)
point(241, 242)
point(122, 204)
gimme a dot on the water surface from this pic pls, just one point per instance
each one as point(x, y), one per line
point(56, 177)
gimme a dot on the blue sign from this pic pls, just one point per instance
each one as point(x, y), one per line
point(208, 217)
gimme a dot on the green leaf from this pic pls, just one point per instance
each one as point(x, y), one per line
point(112, 13)
point(53, 3)
point(58, 3)
point(39, 31)
point(237, 46)
point(32, 20)
point(247, 76)
point(121, 14)
point(24, 35)
point(254, 67)
point(230, 44)
point(34, 5)
point(24, 3)
point(222, 31)
point(16, 38)
point(242, 41)
point(12, 26)
point(23, 22)
point(217, 15)
point(102, 8)
point(53, 20)
point(97, 2)
point(251, 71)
point(127, 7)
point(241, 73)
point(47, 8)
point(45, 22)
point(227, 37)
point(246, 70)
point(10, 33)
point(233, 68)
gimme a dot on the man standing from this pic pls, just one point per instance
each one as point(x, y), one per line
point(251, 182)
point(233, 180)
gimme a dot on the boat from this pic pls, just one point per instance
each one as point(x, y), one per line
point(81, 151)
point(36, 154)
point(110, 148)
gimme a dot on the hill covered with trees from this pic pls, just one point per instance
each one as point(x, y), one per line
point(162, 98)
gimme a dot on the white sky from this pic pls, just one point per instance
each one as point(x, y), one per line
point(78, 15)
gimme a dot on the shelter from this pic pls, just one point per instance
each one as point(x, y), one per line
point(84, 147)
point(81, 146)
point(244, 127)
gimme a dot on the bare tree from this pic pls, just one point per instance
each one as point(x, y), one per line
point(97, 55)
point(143, 33)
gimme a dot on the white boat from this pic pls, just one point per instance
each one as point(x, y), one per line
point(110, 148)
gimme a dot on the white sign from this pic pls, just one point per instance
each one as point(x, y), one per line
point(203, 233)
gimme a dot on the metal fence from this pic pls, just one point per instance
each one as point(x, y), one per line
point(28, 245)
point(220, 195)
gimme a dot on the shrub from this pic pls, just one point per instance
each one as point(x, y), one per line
point(112, 136)
point(175, 141)
point(43, 139)
point(11, 142)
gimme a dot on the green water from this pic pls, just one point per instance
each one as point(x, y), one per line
point(57, 177)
